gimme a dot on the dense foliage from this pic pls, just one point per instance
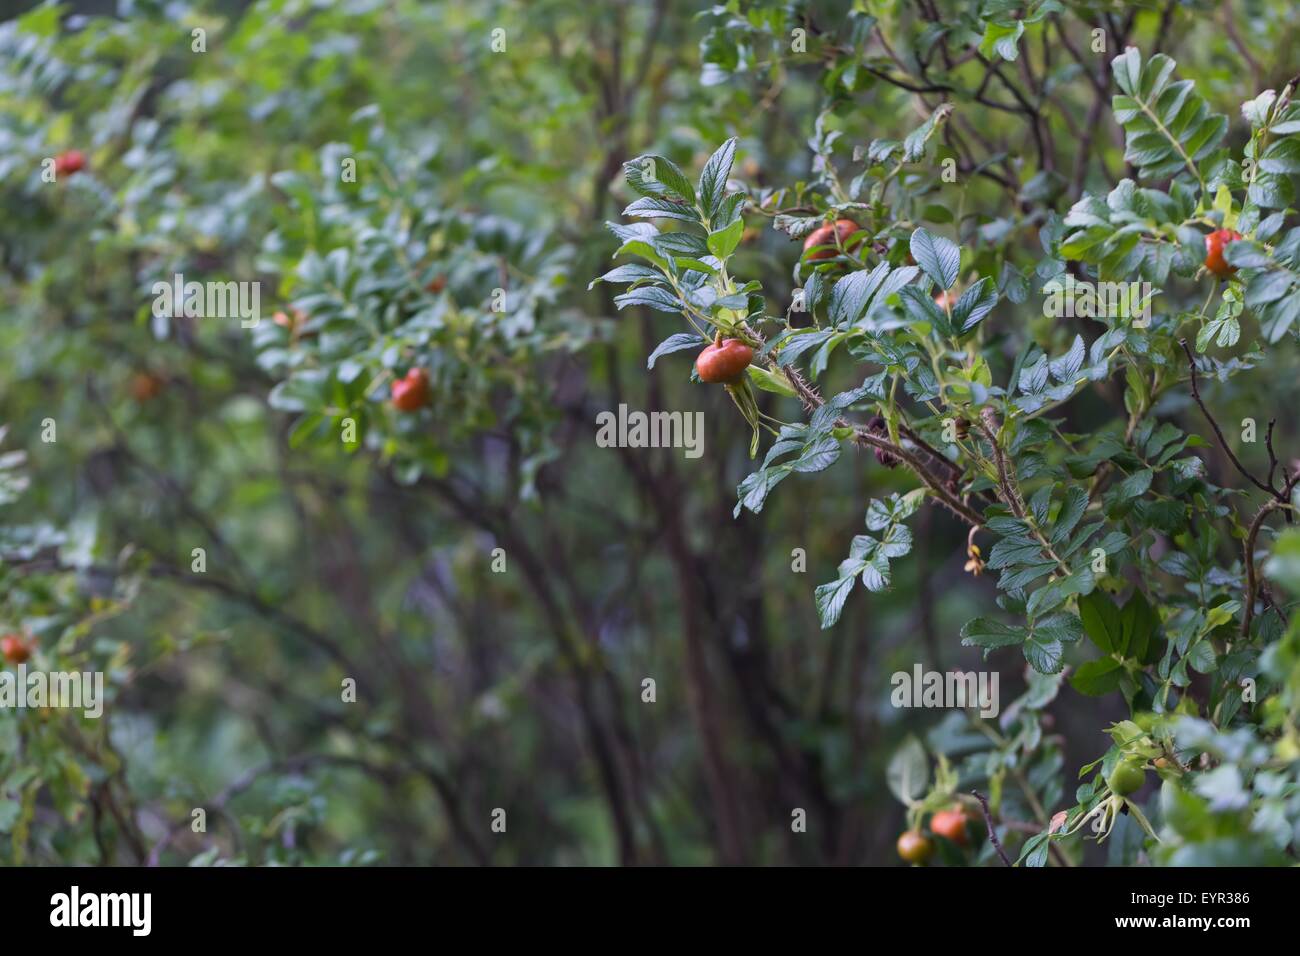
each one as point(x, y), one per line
point(967, 244)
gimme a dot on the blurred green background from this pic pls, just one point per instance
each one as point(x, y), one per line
point(372, 561)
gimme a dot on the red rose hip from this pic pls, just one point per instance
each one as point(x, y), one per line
point(1215, 244)
point(412, 392)
point(67, 163)
point(724, 361)
point(951, 825)
point(827, 236)
point(14, 649)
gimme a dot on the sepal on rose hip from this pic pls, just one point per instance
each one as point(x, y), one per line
point(880, 429)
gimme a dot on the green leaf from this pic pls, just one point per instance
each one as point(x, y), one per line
point(914, 144)
point(1135, 485)
point(1168, 126)
point(1101, 620)
point(723, 242)
point(1034, 852)
point(830, 599)
point(975, 303)
point(1044, 653)
point(985, 633)
point(1282, 157)
point(753, 491)
point(654, 208)
point(713, 180)
point(656, 176)
point(798, 342)
point(1138, 623)
point(851, 295)
point(1283, 566)
point(1043, 647)
point(652, 297)
point(908, 772)
point(673, 244)
point(675, 343)
point(1002, 38)
point(768, 382)
point(1099, 677)
point(627, 273)
point(921, 309)
point(1051, 595)
point(938, 257)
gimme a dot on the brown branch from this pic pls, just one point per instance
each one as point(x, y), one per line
point(1249, 553)
point(993, 833)
point(904, 85)
point(863, 438)
point(1229, 17)
point(1162, 31)
point(989, 426)
point(1223, 443)
point(1272, 456)
point(933, 452)
point(582, 664)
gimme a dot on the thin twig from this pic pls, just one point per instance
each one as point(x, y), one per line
point(1249, 553)
point(1223, 443)
point(1272, 456)
point(993, 833)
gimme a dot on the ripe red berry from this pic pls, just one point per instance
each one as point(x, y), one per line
point(914, 847)
point(951, 825)
point(826, 236)
point(14, 648)
point(724, 361)
point(1215, 243)
point(412, 392)
point(67, 163)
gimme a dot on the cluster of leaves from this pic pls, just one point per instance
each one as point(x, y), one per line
point(1078, 519)
point(378, 277)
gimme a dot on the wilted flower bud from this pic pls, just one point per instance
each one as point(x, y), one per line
point(878, 428)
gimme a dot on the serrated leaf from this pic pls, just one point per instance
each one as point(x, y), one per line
point(975, 303)
point(938, 257)
point(713, 180)
point(986, 633)
point(675, 343)
point(830, 599)
point(651, 297)
point(723, 242)
point(627, 273)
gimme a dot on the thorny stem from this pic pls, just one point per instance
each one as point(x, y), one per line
point(862, 437)
point(988, 424)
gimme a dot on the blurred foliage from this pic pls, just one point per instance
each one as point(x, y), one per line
point(425, 186)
